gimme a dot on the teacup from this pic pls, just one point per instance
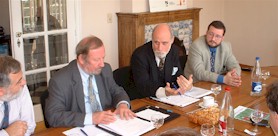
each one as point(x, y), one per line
point(208, 101)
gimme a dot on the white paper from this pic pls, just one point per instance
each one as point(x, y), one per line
point(177, 100)
point(147, 113)
point(90, 130)
point(197, 92)
point(131, 127)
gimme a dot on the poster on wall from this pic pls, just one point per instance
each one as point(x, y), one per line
point(166, 5)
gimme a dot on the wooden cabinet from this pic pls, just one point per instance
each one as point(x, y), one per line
point(132, 27)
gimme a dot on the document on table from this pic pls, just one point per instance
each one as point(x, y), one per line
point(243, 113)
point(90, 130)
point(131, 127)
point(177, 100)
point(197, 92)
point(147, 113)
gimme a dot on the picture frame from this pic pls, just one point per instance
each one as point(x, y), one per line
point(167, 5)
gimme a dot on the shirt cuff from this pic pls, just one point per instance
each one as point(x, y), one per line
point(88, 119)
point(3, 132)
point(123, 102)
point(160, 92)
point(220, 79)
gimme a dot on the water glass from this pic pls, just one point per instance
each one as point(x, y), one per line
point(216, 89)
point(157, 120)
point(265, 75)
point(207, 129)
point(256, 116)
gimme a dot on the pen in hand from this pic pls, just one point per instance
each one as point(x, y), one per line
point(83, 132)
point(176, 88)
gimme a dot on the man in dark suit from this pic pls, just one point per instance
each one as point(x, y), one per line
point(156, 68)
point(80, 93)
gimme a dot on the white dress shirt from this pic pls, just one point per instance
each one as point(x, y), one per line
point(89, 114)
point(21, 109)
point(160, 92)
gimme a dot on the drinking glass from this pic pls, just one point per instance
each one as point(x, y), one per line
point(207, 129)
point(256, 117)
point(215, 88)
point(265, 74)
point(157, 120)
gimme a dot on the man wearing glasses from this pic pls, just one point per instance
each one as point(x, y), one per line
point(211, 59)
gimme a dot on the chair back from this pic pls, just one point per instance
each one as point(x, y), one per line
point(123, 78)
point(42, 100)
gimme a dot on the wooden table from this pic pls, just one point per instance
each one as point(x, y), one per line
point(240, 96)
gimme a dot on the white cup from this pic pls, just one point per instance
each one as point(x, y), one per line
point(208, 101)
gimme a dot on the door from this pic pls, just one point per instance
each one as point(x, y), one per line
point(43, 39)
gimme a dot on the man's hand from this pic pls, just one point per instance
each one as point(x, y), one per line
point(185, 84)
point(18, 128)
point(232, 78)
point(124, 111)
point(103, 117)
point(169, 91)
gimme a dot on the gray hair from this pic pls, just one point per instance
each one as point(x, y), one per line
point(86, 44)
point(8, 65)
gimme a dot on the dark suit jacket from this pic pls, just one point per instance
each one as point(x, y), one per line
point(65, 105)
point(145, 72)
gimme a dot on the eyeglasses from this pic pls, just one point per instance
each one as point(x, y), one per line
point(211, 34)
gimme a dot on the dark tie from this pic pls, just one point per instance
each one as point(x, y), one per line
point(212, 61)
point(92, 97)
point(6, 116)
point(161, 64)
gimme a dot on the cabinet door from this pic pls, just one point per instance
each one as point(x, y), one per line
point(43, 39)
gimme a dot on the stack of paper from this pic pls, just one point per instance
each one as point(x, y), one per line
point(132, 127)
point(197, 92)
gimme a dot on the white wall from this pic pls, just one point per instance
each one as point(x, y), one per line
point(251, 25)
point(94, 22)
point(252, 29)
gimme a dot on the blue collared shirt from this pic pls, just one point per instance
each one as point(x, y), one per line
point(85, 82)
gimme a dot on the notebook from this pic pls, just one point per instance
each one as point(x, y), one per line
point(188, 98)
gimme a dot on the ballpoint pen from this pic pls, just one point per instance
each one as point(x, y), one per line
point(176, 88)
point(83, 132)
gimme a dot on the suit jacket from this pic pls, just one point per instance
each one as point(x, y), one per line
point(65, 105)
point(145, 72)
point(198, 62)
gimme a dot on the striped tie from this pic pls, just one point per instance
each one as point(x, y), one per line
point(161, 64)
point(212, 61)
point(5, 121)
point(92, 97)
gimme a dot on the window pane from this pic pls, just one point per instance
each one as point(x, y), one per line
point(37, 84)
point(58, 49)
point(34, 53)
point(56, 16)
point(32, 19)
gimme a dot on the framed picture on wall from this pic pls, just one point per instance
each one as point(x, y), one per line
point(166, 5)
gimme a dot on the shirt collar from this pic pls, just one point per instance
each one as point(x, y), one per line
point(212, 49)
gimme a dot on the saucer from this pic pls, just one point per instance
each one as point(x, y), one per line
point(201, 104)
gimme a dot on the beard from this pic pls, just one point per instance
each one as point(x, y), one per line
point(211, 43)
point(9, 96)
point(160, 54)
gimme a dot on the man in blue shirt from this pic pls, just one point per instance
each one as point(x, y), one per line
point(211, 59)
